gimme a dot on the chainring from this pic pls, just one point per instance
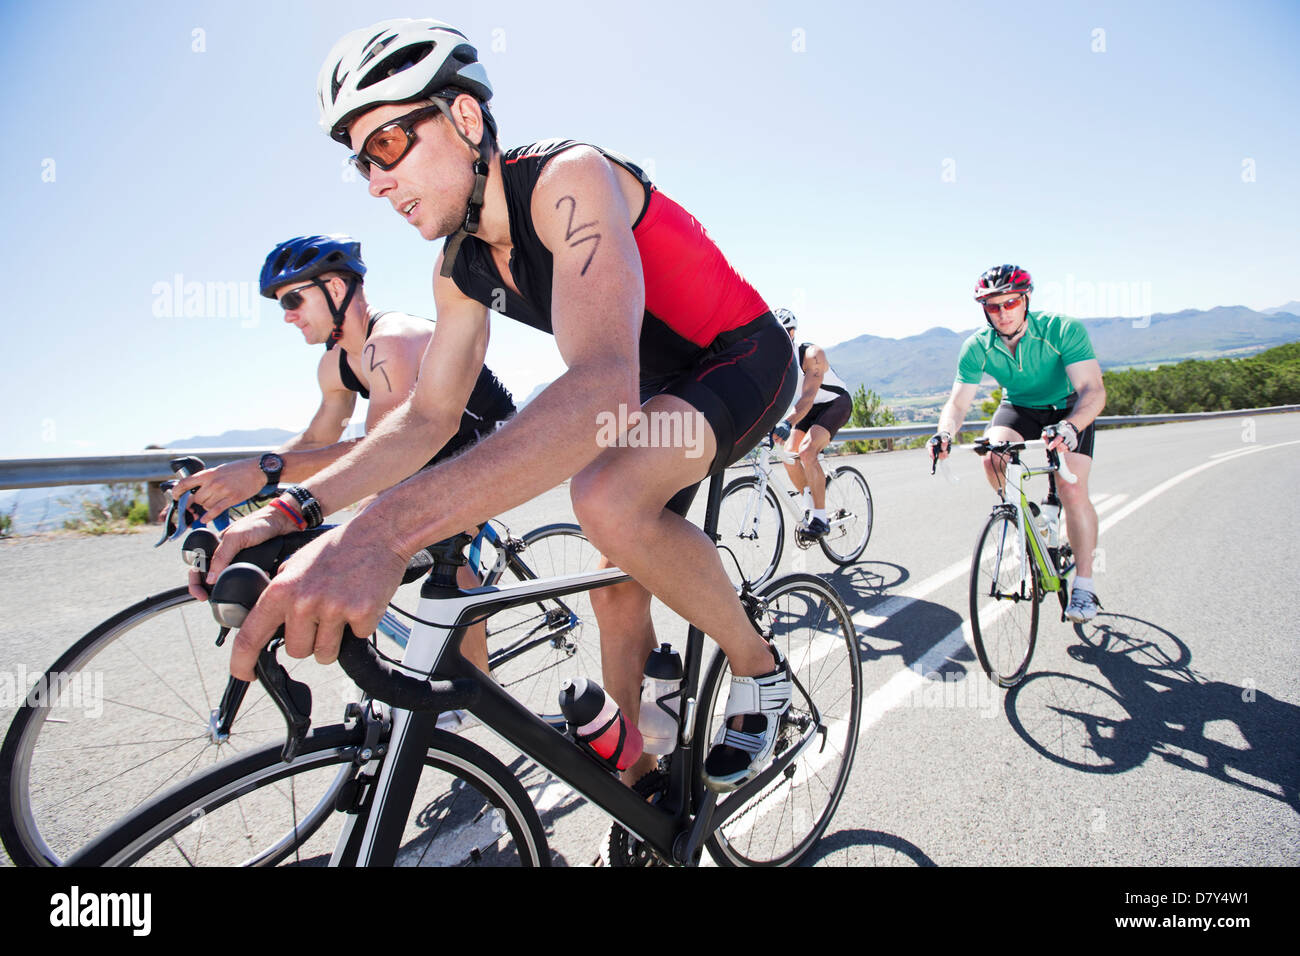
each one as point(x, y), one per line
point(626, 849)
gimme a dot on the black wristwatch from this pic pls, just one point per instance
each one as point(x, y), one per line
point(271, 465)
point(307, 504)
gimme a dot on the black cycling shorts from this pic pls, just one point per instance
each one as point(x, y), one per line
point(742, 385)
point(829, 415)
point(1029, 423)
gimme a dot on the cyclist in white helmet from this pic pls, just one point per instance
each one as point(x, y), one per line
point(822, 408)
point(647, 313)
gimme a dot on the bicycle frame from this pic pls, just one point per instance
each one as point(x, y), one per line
point(675, 828)
point(1048, 578)
point(764, 467)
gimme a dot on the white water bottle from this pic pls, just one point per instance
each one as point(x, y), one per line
point(661, 700)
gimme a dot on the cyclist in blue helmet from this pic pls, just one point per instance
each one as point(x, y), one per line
point(318, 281)
point(309, 259)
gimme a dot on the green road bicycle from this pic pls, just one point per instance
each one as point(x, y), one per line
point(1018, 561)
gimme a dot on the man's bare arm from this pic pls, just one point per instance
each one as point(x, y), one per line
point(812, 383)
point(1086, 379)
point(597, 305)
point(954, 411)
point(401, 438)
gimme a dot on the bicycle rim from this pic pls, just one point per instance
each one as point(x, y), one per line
point(1003, 608)
point(534, 649)
point(465, 813)
point(849, 513)
point(132, 719)
point(756, 542)
point(812, 628)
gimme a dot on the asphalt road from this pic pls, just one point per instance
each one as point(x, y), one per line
point(1166, 732)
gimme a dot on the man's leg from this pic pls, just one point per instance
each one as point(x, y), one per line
point(627, 636)
point(794, 469)
point(995, 466)
point(619, 500)
point(811, 446)
point(1080, 515)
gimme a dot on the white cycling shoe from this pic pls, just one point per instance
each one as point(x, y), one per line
point(737, 756)
point(1083, 606)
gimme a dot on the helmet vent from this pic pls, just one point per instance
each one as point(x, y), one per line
point(400, 60)
point(307, 255)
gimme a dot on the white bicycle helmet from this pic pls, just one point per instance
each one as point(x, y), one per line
point(396, 61)
point(787, 319)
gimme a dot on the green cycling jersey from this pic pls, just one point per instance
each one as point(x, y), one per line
point(1034, 375)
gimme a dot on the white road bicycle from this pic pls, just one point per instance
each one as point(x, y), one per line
point(752, 526)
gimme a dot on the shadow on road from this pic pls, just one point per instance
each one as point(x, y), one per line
point(866, 848)
point(1155, 703)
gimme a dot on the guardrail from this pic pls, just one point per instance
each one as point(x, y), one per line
point(151, 466)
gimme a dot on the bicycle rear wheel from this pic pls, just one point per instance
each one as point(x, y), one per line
point(811, 627)
point(753, 529)
point(533, 649)
point(468, 811)
point(1003, 600)
point(849, 513)
point(124, 714)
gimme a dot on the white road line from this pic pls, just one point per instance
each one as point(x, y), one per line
point(1112, 501)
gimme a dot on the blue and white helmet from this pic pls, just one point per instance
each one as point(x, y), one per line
point(396, 61)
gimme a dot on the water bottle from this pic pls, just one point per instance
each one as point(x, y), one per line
point(661, 700)
point(597, 723)
point(1052, 521)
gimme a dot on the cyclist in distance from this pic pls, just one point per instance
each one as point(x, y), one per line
point(319, 282)
point(647, 314)
point(822, 407)
point(1050, 379)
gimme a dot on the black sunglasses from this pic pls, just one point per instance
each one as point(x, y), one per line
point(388, 145)
point(293, 298)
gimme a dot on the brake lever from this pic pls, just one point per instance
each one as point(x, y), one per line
point(292, 697)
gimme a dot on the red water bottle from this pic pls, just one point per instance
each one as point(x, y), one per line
point(597, 723)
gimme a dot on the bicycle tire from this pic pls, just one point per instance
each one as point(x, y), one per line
point(453, 825)
point(65, 773)
point(757, 548)
point(535, 648)
point(849, 512)
point(813, 629)
point(1004, 620)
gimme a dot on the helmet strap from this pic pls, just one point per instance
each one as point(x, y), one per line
point(338, 312)
point(474, 209)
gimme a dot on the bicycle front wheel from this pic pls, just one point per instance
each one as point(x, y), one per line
point(849, 513)
point(124, 714)
point(811, 627)
point(753, 529)
point(468, 811)
point(535, 648)
point(1003, 600)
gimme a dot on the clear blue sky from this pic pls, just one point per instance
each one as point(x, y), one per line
point(862, 162)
